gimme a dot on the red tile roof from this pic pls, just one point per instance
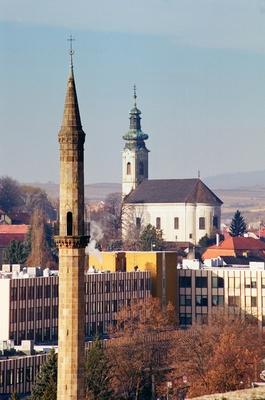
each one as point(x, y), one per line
point(14, 229)
point(240, 243)
point(235, 246)
point(12, 232)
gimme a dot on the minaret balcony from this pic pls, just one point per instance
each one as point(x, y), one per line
point(71, 242)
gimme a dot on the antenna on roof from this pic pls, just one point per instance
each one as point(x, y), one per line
point(199, 174)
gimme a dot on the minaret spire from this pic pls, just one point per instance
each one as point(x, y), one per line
point(71, 116)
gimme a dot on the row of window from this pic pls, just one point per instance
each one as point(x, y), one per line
point(41, 335)
point(51, 312)
point(33, 292)
point(37, 313)
point(202, 223)
point(186, 319)
point(120, 286)
point(201, 300)
point(217, 300)
point(21, 374)
point(201, 282)
point(218, 282)
point(48, 291)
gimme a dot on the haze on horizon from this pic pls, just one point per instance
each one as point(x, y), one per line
point(199, 66)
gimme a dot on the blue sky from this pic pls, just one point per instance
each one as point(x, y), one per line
point(199, 66)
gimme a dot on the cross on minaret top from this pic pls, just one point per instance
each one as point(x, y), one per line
point(71, 51)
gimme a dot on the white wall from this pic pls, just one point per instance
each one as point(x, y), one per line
point(188, 215)
point(134, 156)
point(4, 308)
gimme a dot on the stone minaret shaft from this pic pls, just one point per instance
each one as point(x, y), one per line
point(71, 243)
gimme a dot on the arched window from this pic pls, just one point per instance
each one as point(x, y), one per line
point(69, 222)
point(141, 168)
point(215, 222)
point(129, 168)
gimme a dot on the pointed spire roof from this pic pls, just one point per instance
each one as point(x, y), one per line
point(71, 115)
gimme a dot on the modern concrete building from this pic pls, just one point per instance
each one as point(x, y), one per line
point(184, 209)
point(194, 289)
point(29, 306)
point(161, 265)
point(17, 374)
point(238, 290)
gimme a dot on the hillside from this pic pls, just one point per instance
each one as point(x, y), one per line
point(249, 199)
point(93, 192)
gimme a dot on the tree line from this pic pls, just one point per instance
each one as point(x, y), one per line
point(147, 358)
point(38, 249)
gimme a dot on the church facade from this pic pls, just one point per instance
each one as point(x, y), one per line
point(184, 209)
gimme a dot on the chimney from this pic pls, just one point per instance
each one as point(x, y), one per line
point(217, 239)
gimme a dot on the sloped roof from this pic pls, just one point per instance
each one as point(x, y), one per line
point(232, 246)
point(173, 191)
point(240, 243)
point(231, 260)
point(12, 232)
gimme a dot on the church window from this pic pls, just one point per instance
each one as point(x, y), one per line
point(129, 168)
point(141, 168)
point(215, 222)
point(176, 223)
point(201, 223)
point(138, 222)
point(69, 220)
point(158, 223)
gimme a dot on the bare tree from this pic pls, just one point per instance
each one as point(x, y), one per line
point(40, 254)
point(140, 348)
point(219, 357)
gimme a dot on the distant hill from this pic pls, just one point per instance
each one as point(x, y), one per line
point(242, 190)
point(93, 191)
point(236, 180)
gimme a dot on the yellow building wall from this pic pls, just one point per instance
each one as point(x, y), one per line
point(161, 265)
point(103, 261)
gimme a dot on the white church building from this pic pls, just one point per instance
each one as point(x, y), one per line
point(184, 209)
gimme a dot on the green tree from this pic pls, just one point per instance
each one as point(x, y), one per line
point(45, 387)
point(17, 252)
point(207, 241)
point(151, 239)
point(238, 225)
point(97, 373)
point(10, 194)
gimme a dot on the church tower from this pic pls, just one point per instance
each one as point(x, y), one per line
point(71, 242)
point(135, 154)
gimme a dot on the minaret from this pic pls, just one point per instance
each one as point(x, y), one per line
point(135, 154)
point(71, 243)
